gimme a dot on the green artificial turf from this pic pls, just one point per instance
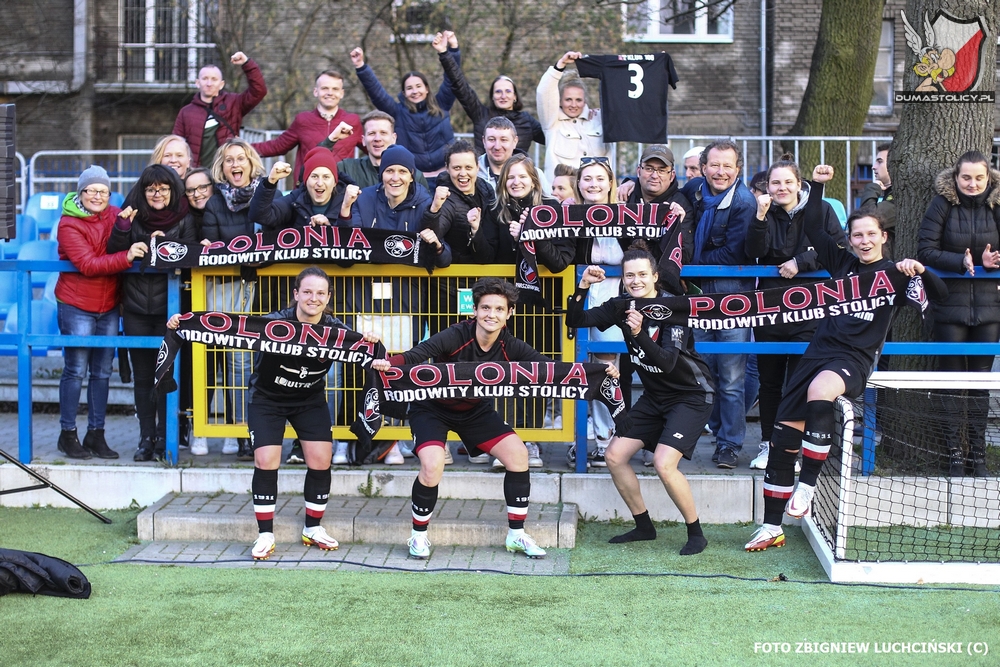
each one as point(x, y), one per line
point(170, 615)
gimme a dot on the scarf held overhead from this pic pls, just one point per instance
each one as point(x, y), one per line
point(857, 295)
point(263, 334)
point(514, 379)
point(620, 221)
point(322, 244)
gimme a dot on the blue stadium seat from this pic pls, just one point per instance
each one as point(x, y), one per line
point(839, 209)
point(54, 232)
point(26, 230)
point(45, 208)
point(39, 250)
point(49, 293)
point(44, 320)
point(8, 292)
point(117, 199)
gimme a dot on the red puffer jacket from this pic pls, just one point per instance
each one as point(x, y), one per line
point(83, 240)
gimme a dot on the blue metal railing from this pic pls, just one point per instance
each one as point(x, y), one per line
point(584, 347)
point(25, 340)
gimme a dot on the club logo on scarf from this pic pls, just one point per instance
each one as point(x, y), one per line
point(399, 246)
point(612, 390)
point(656, 311)
point(528, 272)
point(915, 292)
point(161, 355)
point(171, 251)
point(371, 405)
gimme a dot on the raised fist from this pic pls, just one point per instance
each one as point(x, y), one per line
point(342, 131)
point(822, 173)
point(569, 57)
point(238, 58)
point(441, 193)
point(440, 43)
point(763, 203)
point(279, 171)
point(452, 39)
point(474, 216)
point(351, 194)
point(358, 57)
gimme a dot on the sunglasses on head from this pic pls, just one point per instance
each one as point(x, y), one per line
point(584, 161)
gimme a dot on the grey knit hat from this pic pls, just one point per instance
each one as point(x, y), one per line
point(93, 174)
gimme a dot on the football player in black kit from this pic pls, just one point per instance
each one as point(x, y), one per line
point(676, 400)
point(291, 388)
point(484, 338)
point(838, 361)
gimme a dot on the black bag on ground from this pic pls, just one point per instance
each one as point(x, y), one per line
point(38, 574)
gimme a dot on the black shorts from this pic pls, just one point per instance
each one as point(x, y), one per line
point(479, 428)
point(796, 393)
point(676, 422)
point(266, 421)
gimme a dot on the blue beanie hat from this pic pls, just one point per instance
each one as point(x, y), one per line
point(93, 174)
point(397, 155)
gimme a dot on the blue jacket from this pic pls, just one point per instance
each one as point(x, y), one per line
point(425, 136)
point(727, 238)
point(292, 210)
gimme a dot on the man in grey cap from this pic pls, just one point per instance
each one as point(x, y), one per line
point(658, 183)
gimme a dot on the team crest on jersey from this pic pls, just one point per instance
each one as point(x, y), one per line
point(677, 335)
point(915, 292)
point(528, 272)
point(611, 390)
point(171, 251)
point(399, 246)
point(371, 404)
point(656, 311)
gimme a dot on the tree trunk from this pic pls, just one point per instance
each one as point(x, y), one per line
point(931, 137)
point(839, 91)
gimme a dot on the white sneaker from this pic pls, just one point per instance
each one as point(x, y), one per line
point(199, 446)
point(263, 547)
point(647, 458)
point(760, 461)
point(497, 465)
point(521, 541)
point(764, 537)
point(481, 459)
point(800, 504)
point(420, 546)
point(534, 456)
point(393, 457)
point(230, 446)
point(448, 458)
point(340, 453)
point(405, 449)
point(316, 536)
point(571, 457)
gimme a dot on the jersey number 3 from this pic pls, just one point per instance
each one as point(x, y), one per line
point(636, 80)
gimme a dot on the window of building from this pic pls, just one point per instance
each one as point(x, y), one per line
point(882, 93)
point(678, 20)
point(163, 41)
point(417, 20)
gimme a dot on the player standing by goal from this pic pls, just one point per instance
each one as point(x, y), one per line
point(838, 361)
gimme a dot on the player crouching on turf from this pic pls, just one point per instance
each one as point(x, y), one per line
point(838, 361)
point(476, 421)
point(291, 388)
point(676, 401)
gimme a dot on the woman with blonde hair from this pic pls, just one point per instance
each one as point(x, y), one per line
point(237, 170)
point(172, 151)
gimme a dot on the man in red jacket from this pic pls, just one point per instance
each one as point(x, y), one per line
point(326, 121)
point(213, 117)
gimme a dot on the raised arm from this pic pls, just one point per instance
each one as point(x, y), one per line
point(256, 88)
point(463, 91)
point(603, 317)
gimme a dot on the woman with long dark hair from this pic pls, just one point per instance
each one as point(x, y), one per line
point(423, 124)
point(156, 206)
point(960, 232)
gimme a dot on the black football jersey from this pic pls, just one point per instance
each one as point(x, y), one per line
point(633, 94)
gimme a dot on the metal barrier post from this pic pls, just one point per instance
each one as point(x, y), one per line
point(582, 343)
point(23, 367)
point(173, 398)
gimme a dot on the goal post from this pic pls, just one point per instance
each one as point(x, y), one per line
point(886, 508)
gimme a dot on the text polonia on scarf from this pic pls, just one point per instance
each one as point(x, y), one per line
point(636, 221)
point(390, 391)
point(262, 334)
point(851, 295)
point(323, 244)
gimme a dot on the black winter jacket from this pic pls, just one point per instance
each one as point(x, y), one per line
point(293, 210)
point(146, 293)
point(953, 222)
point(451, 222)
point(527, 126)
point(672, 194)
point(555, 254)
point(220, 224)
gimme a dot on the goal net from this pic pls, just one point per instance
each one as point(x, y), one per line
point(891, 504)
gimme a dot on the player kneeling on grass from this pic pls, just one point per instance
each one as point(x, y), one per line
point(676, 400)
point(291, 388)
point(476, 421)
point(838, 361)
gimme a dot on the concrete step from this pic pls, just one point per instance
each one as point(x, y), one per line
point(229, 517)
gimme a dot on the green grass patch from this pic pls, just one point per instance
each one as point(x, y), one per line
point(932, 543)
point(170, 615)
